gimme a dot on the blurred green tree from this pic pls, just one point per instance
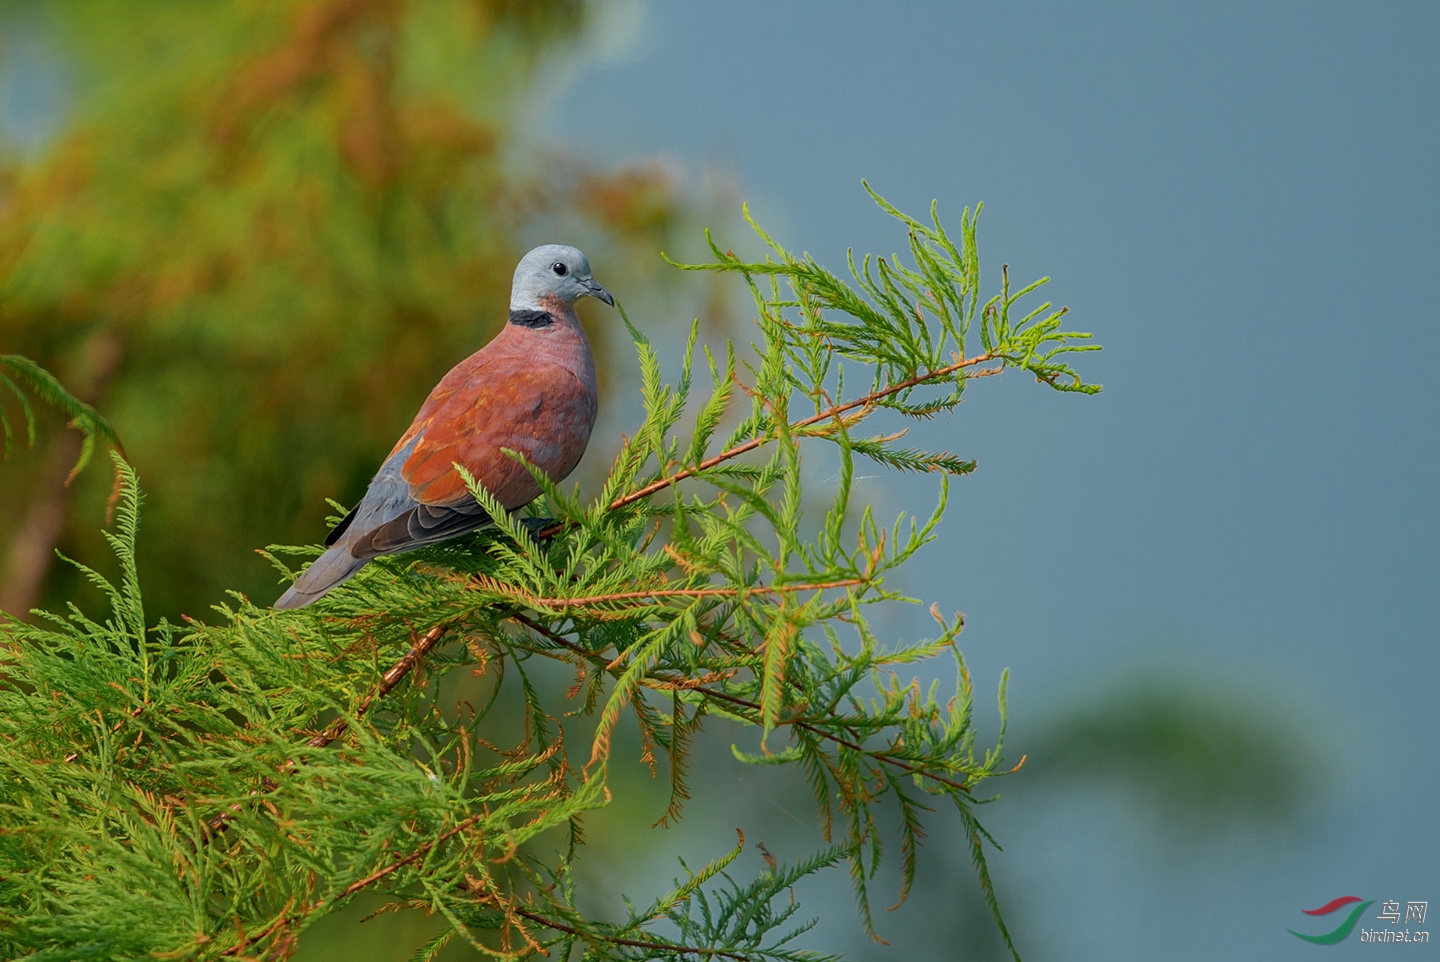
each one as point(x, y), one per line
point(259, 236)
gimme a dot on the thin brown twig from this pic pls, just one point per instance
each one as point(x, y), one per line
point(417, 854)
point(558, 638)
point(246, 940)
point(387, 682)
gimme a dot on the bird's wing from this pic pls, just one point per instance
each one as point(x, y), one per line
point(418, 497)
point(389, 519)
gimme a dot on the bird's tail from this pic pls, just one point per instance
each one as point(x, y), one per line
point(325, 572)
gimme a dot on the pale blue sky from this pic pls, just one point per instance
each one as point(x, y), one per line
point(1240, 200)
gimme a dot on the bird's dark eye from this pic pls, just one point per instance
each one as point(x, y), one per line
point(560, 269)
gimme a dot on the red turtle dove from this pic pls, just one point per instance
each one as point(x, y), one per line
point(530, 390)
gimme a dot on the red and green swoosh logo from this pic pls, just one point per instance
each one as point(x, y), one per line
point(1344, 928)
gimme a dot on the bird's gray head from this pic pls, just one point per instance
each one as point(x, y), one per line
point(554, 270)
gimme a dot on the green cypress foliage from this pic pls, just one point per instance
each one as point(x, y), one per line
point(207, 790)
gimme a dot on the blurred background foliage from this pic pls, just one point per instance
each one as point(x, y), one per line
point(254, 234)
point(256, 238)
point(1193, 755)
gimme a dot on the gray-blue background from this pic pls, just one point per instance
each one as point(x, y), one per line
point(1240, 201)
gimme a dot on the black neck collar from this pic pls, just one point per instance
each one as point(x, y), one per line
point(531, 318)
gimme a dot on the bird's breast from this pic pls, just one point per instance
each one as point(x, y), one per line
point(531, 391)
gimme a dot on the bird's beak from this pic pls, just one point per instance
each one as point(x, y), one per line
point(597, 292)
